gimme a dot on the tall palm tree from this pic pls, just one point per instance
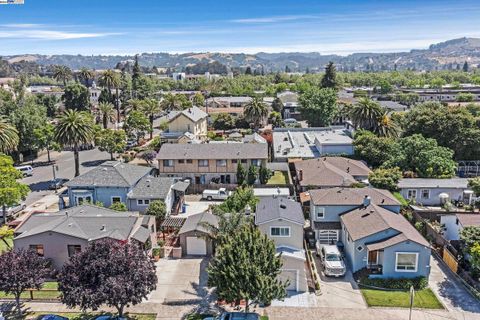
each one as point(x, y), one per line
point(366, 114)
point(86, 74)
point(111, 80)
point(74, 129)
point(387, 127)
point(151, 107)
point(8, 136)
point(170, 102)
point(256, 112)
point(62, 73)
point(107, 113)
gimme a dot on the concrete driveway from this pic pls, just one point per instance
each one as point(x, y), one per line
point(180, 281)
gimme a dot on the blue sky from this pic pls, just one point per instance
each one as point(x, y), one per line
point(249, 26)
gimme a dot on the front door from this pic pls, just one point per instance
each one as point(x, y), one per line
point(372, 257)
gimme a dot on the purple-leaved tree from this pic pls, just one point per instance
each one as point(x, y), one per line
point(107, 272)
point(20, 270)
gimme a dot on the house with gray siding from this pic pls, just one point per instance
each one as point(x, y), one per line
point(327, 205)
point(282, 221)
point(194, 235)
point(384, 243)
point(435, 192)
point(58, 236)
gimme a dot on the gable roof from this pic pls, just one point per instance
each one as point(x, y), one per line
point(110, 174)
point(330, 171)
point(195, 222)
point(365, 221)
point(194, 113)
point(453, 183)
point(151, 188)
point(273, 208)
point(352, 196)
point(85, 222)
point(214, 151)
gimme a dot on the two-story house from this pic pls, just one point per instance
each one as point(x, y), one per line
point(435, 192)
point(327, 205)
point(282, 221)
point(192, 121)
point(205, 163)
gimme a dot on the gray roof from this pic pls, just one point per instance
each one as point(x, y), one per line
point(352, 196)
point(393, 105)
point(142, 234)
point(196, 222)
point(214, 151)
point(194, 113)
point(453, 183)
point(272, 208)
point(151, 188)
point(110, 174)
point(85, 222)
point(181, 186)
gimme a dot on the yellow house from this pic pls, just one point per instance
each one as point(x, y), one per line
point(192, 120)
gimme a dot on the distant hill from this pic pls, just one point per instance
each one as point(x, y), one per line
point(445, 55)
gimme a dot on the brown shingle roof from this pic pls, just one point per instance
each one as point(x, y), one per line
point(469, 219)
point(352, 196)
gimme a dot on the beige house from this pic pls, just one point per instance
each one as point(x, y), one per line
point(58, 236)
point(282, 221)
point(192, 120)
point(207, 163)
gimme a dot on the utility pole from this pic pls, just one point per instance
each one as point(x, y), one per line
point(55, 168)
point(412, 296)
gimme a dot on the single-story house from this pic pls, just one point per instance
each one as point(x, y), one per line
point(453, 224)
point(58, 236)
point(282, 221)
point(195, 235)
point(435, 192)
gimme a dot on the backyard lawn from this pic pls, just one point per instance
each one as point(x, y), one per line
point(381, 298)
point(49, 294)
point(278, 177)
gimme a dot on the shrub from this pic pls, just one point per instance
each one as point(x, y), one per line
point(418, 283)
point(156, 252)
point(317, 286)
point(419, 226)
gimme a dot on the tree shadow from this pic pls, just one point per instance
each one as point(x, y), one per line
point(40, 186)
point(93, 163)
point(9, 311)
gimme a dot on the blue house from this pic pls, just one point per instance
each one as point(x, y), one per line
point(384, 243)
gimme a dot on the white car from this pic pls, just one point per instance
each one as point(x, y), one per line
point(13, 209)
point(332, 260)
point(27, 171)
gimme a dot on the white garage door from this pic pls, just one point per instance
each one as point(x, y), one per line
point(196, 246)
point(291, 276)
point(327, 236)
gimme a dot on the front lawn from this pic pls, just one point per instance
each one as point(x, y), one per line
point(424, 298)
point(88, 316)
point(278, 177)
point(50, 292)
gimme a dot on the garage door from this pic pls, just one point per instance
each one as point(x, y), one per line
point(291, 276)
point(327, 236)
point(196, 246)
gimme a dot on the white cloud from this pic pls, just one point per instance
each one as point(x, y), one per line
point(273, 19)
point(41, 34)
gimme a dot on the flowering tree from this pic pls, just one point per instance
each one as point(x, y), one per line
point(108, 272)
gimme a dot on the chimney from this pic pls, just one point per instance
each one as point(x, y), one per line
point(300, 175)
point(366, 201)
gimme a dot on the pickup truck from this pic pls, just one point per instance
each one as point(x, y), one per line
point(220, 194)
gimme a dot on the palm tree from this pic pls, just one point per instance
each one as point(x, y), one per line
point(366, 114)
point(74, 129)
point(151, 108)
point(110, 79)
point(170, 102)
point(8, 136)
point(62, 73)
point(387, 127)
point(86, 74)
point(107, 113)
point(256, 112)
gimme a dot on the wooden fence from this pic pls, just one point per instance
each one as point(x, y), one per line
point(450, 260)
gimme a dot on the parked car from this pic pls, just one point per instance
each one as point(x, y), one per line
point(13, 209)
point(51, 317)
point(27, 171)
point(56, 183)
point(108, 317)
point(291, 121)
point(332, 260)
point(131, 144)
point(236, 316)
point(220, 194)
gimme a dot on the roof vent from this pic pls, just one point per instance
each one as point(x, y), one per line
point(103, 228)
point(283, 206)
point(366, 201)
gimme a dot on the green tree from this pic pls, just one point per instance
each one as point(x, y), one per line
point(223, 121)
point(111, 141)
point(86, 75)
point(111, 80)
point(465, 66)
point(385, 178)
point(198, 100)
point(475, 256)
point(252, 175)
point(157, 209)
point(470, 235)
point(241, 173)
point(275, 119)
point(465, 97)
point(136, 124)
point(76, 97)
point(474, 184)
point(240, 198)
point(45, 139)
point(264, 174)
point(246, 267)
point(6, 233)
point(118, 206)
point(106, 112)
point(11, 190)
point(366, 114)
point(318, 106)
point(329, 79)
point(372, 149)
point(277, 105)
point(74, 129)
point(50, 102)
point(151, 108)
point(171, 102)
point(256, 112)
point(62, 73)
point(8, 136)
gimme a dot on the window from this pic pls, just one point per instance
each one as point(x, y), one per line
point(234, 161)
point(280, 231)
point(181, 161)
point(189, 161)
point(146, 202)
point(244, 160)
point(168, 163)
point(203, 163)
point(406, 261)
point(116, 199)
point(73, 249)
point(359, 248)
point(412, 194)
point(256, 162)
point(143, 202)
point(140, 202)
point(38, 248)
point(320, 212)
point(425, 194)
point(221, 163)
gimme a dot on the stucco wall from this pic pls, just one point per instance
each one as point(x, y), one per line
point(434, 199)
point(183, 241)
point(299, 265)
point(295, 240)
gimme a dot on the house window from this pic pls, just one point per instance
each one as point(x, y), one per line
point(168, 163)
point(412, 194)
point(189, 161)
point(38, 248)
point(143, 202)
point(116, 199)
point(244, 161)
point(256, 162)
point(425, 194)
point(406, 261)
point(140, 202)
point(234, 161)
point(280, 231)
point(73, 249)
point(181, 161)
point(359, 248)
point(320, 212)
point(221, 163)
point(203, 163)
point(146, 202)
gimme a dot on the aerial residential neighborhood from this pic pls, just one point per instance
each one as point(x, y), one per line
point(239, 160)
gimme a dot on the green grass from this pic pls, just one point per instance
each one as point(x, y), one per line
point(4, 247)
point(400, 198)
point(86, 316)
point(40, 294)
point(381, 298)
point(279, 177)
